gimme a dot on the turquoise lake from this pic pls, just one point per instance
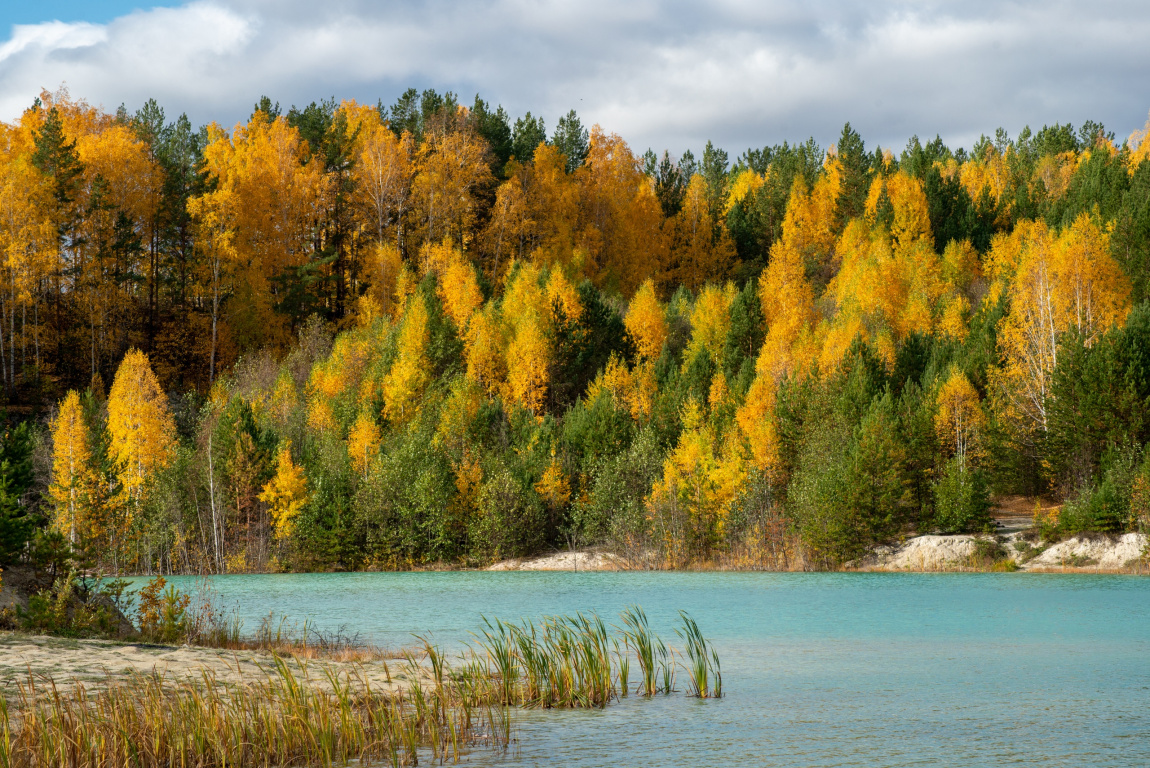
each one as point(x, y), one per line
point(818, 669)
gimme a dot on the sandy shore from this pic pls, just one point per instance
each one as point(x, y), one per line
point(1085, 554)
point(95, 662)
point(564, 561)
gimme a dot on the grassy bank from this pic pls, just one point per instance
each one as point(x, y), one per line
point(340, 704)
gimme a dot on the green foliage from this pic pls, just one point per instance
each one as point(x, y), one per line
point(748, 329)
point(1100, 397)
point(402, 510)
point(583, 346)
point(68, 609)
point(162, 614)
point(1130, 241)
point(1098, 186)
point(571, 139)
point(961, 500)
point(511, 518)
point(596, 430)
point(614, 509)
point(528, 134)
point(1101, 509)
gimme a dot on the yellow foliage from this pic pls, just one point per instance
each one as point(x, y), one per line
point(384, 267)
point(644, 388)
point(959, 420)
point(411, 371)
point(747, 183)
point(72, 477)
point(458, 414)
point(523, 295)
point(284, 398)
point(363, 442)
point(528, 364)
point(756, 422)
point(367, 311)
point(553, 487)
point(1068, 282)
point(320, 416)
point(910, 220)
point(710, 322)
point(700, 251)
point(1054, 172)
point(450, 165)
point(787, 300)
point(382, 170)
point(701, 479)
point(405, 284)
point(719, 393)
point(646, 322)
point(459, 290)
point(484, 344)
point(143, 434)
point(810, 219)
point(1139, 146)
point(622, 233)
point(961, 265)
point(955, 320)
point(286, 493)
point(468, 482)
point(614, 380)
point(268, 190)
point(562, 293)
point(990, 172)
point(885, 290)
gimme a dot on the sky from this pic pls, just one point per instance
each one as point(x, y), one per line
point(661, 73)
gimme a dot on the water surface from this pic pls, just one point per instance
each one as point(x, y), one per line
point(819, 669)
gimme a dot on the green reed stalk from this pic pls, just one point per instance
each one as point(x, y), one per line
point(703, 661)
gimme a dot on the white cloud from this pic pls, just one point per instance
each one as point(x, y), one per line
point(663, 74)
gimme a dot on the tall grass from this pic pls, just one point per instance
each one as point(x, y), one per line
point(703, 670)
point(285, 719)
point(294, 718)
point(656, 663)
point(573, 661)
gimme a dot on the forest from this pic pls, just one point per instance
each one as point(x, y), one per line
point(349, 336)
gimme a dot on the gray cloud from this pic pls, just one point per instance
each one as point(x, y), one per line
point(662, 74)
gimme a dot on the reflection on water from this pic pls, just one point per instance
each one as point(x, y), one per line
point(819, 669)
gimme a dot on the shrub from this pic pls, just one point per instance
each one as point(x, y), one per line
point(511, 517)
point(961, 501)
point(1096, 510)
point(162, 614)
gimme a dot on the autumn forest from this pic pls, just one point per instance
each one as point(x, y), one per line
point(428, 334)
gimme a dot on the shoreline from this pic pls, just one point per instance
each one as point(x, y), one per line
point(930, 553)
point(95, 663)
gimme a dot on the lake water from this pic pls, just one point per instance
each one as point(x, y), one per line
point(818, 669)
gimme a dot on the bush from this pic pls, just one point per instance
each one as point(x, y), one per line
point(1094, 510)
point(162, 614)
point(69, 609)
point(511, 517)
point(615, 508)
point(961, 501)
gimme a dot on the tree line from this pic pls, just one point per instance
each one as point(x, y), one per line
point(355, 336)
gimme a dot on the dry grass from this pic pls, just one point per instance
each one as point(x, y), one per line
point(281, 719)
point(302, 713)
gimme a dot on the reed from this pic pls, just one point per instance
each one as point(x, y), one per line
point(292, 717)
point(656, 663)
point(703, 670)
point(573, 661)
point(285, 719)
point(281, 636)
